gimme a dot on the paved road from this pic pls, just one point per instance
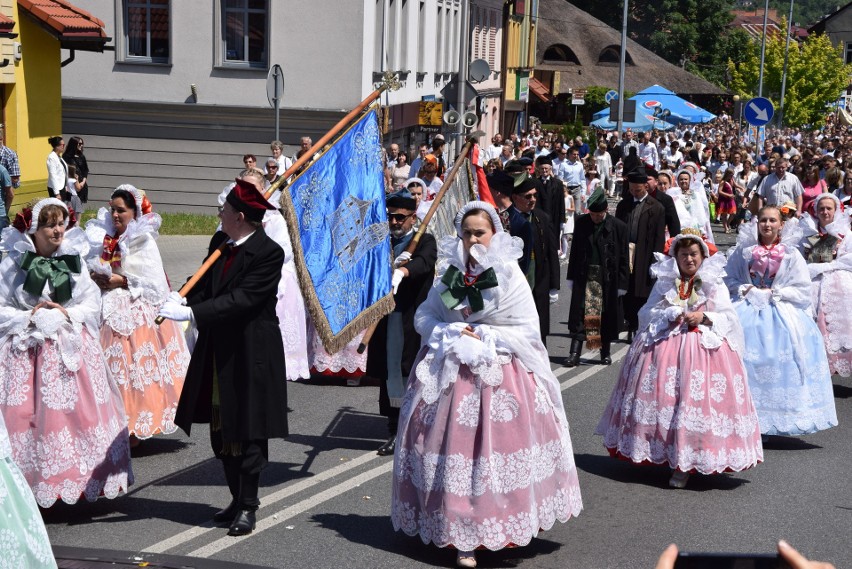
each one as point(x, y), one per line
point(326, 493)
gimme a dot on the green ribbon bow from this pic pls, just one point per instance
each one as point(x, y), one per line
point(458, 289)
point(57, 270)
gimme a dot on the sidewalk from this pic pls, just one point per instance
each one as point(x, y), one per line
point(182, 255)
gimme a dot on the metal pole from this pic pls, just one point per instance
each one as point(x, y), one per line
point(277, 100)
point(464, 60)
point(784, 73)
point(621, 69)
point(763, 49)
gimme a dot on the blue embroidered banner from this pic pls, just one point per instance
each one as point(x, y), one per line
point(335, 211)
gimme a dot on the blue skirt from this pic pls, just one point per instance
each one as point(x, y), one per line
point(792, 392)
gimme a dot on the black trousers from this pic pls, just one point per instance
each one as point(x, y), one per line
point(632, 305)
point(242, 472)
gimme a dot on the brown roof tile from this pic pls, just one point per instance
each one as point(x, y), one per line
point(6, 23)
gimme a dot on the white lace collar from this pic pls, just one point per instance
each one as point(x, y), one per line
point(102, 225)
point(16, 244)
point(502, 253)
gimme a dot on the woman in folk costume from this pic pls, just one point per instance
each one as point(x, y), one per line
point(481, 395)
point(784, 353)
point(292, 319)
point(691, 204)
point(147, 361)
point(65, 416)
point(682, 398)
point(828, 249)
point(24, 543)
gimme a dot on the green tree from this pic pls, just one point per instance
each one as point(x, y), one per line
point(816, 75)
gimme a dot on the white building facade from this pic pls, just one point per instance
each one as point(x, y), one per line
point(184, 94)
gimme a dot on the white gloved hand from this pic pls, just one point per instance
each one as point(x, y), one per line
point(175, 296)
point(397, 277)
point(48, 321)
point(554, 296)
point(621, 292)
point(673, 313)
point(403, 258)
point(174, 311)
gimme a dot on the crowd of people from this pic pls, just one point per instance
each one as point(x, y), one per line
point(726, 348)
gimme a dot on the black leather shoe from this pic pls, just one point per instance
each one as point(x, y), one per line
point(243, 524)
point(573, 360)
point(387, 448)
point(228, 514)
point(606, 360)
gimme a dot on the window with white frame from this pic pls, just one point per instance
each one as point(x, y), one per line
point(848, 53)
point(146, 31)
point(245, 37)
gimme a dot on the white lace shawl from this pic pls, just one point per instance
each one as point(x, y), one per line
point(507, 325)
point(140, 257)
point(697, 215)
point(657, 317)
point(24, 329)
point(839, 228)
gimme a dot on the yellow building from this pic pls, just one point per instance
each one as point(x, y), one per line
point(520, 56)
point(32, 35)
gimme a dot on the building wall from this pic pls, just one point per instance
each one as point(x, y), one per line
point(33, 106)
point(486, 43)
point(332, 53)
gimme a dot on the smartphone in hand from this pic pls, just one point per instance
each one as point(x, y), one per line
point(691, 560)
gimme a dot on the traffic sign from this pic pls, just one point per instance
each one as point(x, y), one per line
point(611, 95)
point(758, 111)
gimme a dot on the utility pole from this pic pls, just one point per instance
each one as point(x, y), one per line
point(786, 60)
point(621, 69)
point(464, 61)
point(763, 49)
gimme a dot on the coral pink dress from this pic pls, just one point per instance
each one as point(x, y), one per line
point(483, 452)
point(65, 416)
point(682, 397)
point(148, 362)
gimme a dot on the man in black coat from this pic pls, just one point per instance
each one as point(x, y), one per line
point(551, 194)
point(540, 261)
point(598, 272)
point(236, 379)
point(395, 342)
point(672, 219)
point(646, 234)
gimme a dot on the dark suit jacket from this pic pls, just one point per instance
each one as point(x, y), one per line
point(238, 333)
point(651, 239)
point(612, 247)
point(411, 293)
point(672, 220)
point(551, 200)
point(538, 239)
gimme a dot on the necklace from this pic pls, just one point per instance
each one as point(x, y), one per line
point(684, 289)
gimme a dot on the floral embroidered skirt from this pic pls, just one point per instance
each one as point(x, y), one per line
point(66, 420)
point(148, 363)
point(829, 292)
point(24, 541)
point(484, 465)
point(680, 404)
point(792, 391)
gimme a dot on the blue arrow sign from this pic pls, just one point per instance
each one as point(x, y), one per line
point(611, 95)
point(758, 111)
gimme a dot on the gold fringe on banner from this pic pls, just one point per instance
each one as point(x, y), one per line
point(384, 306)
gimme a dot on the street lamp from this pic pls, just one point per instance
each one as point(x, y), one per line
point(738, 112)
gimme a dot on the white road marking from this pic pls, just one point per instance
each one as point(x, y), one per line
point(195, 532)
point(298, 508)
